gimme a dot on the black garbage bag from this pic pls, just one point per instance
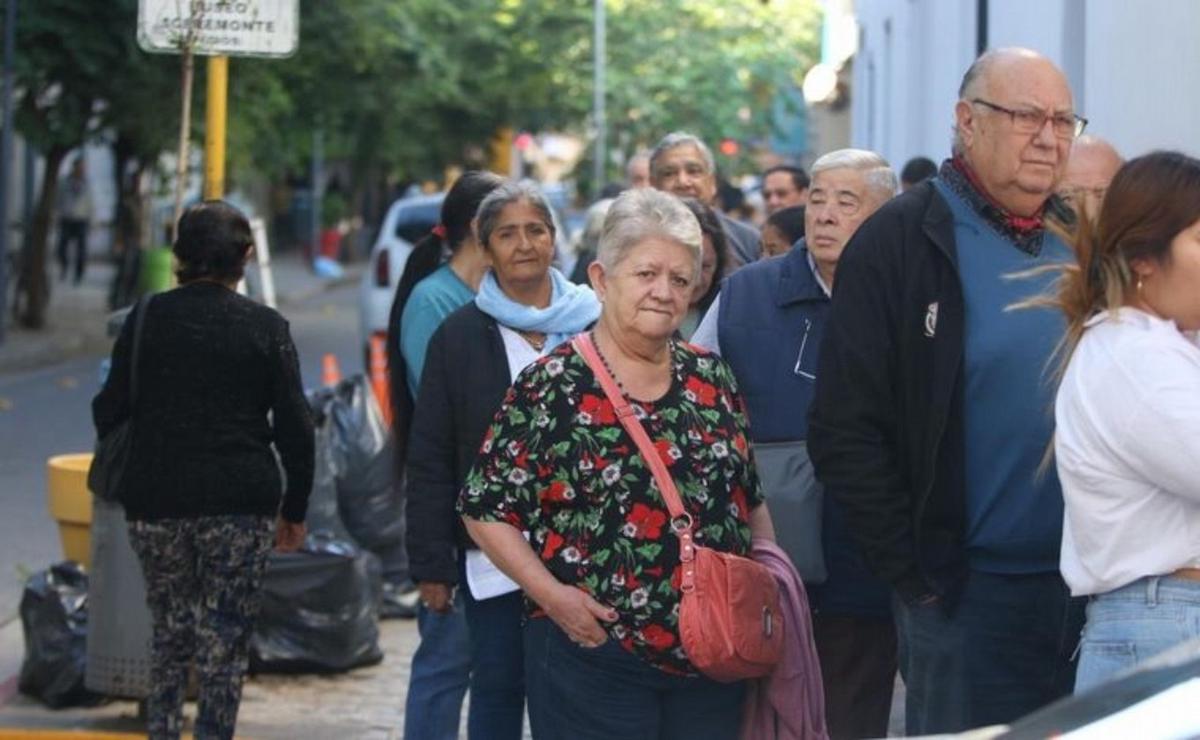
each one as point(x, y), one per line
point(358, 453)
point(319, 611)
point(54, 619)
point(323, 516)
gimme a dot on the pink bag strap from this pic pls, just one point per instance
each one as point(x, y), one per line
point(681, 521)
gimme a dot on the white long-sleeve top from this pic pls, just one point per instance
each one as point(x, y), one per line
point(1128, 451)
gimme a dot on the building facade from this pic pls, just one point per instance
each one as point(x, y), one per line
point(1134, 67)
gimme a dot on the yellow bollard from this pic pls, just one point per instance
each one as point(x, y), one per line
point(70, 504)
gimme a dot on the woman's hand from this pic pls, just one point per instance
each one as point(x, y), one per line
point(289, 536)
point(437, 597)
point(579, 615)
point(573, 610)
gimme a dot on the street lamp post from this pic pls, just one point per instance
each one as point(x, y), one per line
point(6, 142)
point(598, 99)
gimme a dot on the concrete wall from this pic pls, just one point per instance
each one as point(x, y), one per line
point(1134, 68)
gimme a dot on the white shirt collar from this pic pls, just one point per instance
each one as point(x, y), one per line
point(812, 264)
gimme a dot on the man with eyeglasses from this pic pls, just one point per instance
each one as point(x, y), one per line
point(932, 411)
point(767, 323)
point(1090, 168)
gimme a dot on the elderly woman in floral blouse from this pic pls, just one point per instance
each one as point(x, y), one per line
point(562, 501)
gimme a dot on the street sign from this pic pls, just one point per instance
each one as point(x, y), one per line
point(237, 28)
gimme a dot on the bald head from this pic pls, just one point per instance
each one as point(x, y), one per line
point(1090, 168)
point(1004, 96)
point(1004, 64)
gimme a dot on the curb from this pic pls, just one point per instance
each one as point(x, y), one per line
point(26, 734)
point(49, 349)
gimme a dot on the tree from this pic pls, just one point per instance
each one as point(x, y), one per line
point(66, 51)
point(419, 85)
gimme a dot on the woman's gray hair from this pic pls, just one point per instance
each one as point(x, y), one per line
point(644, 213)
point(510, 192)
point(880, 177)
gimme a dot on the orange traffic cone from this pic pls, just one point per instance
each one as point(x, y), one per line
point(330, 373)
point(379, 377)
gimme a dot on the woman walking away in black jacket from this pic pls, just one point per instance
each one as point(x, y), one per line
point(218, 387)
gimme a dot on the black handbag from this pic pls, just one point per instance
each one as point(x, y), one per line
point(113, 450)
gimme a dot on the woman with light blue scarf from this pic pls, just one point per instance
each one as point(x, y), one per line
point(523, 310)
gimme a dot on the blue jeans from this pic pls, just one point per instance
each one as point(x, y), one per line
point(498, 666)
point(1135, 622)
point(441, 671)
point(1002, 651)
point(578, 693)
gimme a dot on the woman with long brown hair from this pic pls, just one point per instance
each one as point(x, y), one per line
point(1128, 417)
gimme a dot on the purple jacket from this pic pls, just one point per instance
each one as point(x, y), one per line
point(789, 704)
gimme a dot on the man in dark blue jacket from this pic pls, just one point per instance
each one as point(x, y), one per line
point(933, 407)
point(767, 323)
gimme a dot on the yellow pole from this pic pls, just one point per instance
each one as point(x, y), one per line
point(214, 130)
point(500, 160)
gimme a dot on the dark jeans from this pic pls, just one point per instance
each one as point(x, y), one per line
point(441, 671)
point(578, 693)
point(858, 669)
point(1002, 652)
point(72, 231)
point(497, 710)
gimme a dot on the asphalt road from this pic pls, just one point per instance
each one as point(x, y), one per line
point(49, 413)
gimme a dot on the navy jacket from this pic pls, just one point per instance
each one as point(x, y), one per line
point(771, 319)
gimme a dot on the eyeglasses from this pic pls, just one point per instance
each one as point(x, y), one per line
point(1031, 120)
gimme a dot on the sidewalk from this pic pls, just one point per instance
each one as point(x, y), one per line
point(366, 703)
point(75, 321)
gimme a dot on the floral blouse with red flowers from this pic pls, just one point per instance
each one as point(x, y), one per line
point(558, 465)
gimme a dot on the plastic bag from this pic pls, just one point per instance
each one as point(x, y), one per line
point(323, 516)
point(54, 618)
point(354, 448)
point(319, 610)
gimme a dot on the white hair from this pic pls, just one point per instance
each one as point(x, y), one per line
point(643, 213)
point(880, 177)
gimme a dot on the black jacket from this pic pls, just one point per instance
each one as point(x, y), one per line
point(463, 383)
point(213, 365)
point(886, 427)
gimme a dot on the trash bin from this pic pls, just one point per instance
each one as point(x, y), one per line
point(70, 503)
point(155, 276)
point(119, 623)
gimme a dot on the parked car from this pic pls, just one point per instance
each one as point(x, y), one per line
point(404, 224)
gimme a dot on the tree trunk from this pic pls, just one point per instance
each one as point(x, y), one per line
point(127, 226)
point(33, 286)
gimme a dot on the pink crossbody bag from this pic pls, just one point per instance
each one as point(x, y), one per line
point(730, 620)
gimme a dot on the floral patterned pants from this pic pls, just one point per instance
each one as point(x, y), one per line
point(203, 586)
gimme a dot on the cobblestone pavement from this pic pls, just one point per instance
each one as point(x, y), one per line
point(367, 703)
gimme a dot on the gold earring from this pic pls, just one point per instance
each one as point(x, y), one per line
point(1139, 285)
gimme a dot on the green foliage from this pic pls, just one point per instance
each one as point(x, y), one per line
point(65, 53)
point(417, 85)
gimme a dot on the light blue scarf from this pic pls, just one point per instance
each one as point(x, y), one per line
point(572, 309)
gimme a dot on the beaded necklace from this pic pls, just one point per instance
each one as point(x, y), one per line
point(608, 367)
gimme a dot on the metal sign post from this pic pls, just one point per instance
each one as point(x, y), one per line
point(217, 29)
point(236, 28)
